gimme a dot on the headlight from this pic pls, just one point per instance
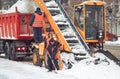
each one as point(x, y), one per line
point(100, 35)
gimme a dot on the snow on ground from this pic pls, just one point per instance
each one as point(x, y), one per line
point(114, 42)
point(80, 70)
point(101, 71)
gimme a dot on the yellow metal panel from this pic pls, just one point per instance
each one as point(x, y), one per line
point(41, 49)
point(92, 3)
point(104, 23)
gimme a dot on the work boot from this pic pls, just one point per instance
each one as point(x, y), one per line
point(49, 71)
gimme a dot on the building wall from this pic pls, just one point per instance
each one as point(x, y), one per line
point(119, 5)
point(118, 27)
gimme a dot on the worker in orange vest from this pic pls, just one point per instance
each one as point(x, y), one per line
point(52, 53)
point(37, 22)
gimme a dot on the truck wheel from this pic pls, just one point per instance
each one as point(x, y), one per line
point(41, 62)
point(7, 50)
point(12, 52)
point(113, 39)
point(36, 58)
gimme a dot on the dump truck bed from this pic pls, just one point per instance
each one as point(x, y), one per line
point(15, 26)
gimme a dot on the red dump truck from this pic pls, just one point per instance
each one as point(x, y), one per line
point(15, 35)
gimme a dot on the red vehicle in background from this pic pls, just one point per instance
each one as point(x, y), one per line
point(15, 35)
point(111, 37)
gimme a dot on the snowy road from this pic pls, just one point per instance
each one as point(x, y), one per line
point(19, 70)
point(114, 49)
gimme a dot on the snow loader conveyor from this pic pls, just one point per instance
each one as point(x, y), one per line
point(64, 29)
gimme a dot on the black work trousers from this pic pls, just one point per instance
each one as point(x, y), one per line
point(50, 64)
point(37, 34)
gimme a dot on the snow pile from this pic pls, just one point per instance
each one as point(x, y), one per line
point(2, 11)
point(23, 6)
point(82, 70)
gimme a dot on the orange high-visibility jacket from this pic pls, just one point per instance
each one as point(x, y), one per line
point(38, 21)
point(58, 52)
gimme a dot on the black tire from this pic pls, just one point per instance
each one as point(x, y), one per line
point(36, 58)
point(114, 39)
point(12, 52)
point(41, 62)
point(7, 50)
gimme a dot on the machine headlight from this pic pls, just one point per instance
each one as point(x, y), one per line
point(100, 35)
